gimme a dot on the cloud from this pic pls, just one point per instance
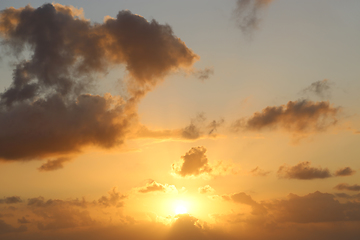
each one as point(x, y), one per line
point(259, 172)
point(319, 88)
point(347, 196)
point(303, 171)
point(345, 186)
point(247, 13)
point(7, 228)
point(51, 88)
point(193, 130)
point(347, 171)
point(114, 199)
point(194, 163)
point(313, 207)
point(52, 165)
point(206, 189)
point(269, 219)
point(23, 220)
point(246, 199)
point(204, 74)
point(153, 186)
point(298, 117)
point(198, 128)
point(11, 200)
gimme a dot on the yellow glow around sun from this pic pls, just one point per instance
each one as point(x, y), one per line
point(181, 207)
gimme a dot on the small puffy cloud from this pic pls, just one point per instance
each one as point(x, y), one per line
point(114, 198)
point(303, 171)
point(11, 200)
point(153, 186)
point(194, 163)
point(298, 117)
point(206, 189)
point(345, 186)
point(259, 172)
point(347, 171)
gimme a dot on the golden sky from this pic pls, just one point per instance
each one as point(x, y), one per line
point(179, 120)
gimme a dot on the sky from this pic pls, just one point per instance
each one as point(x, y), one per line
point(154, 119)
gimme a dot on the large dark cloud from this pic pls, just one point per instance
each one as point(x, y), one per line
point(314, 207)
point(298, 117)
point(47, 110)
point(303, 171)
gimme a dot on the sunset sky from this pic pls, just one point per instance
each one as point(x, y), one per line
point(164, 119)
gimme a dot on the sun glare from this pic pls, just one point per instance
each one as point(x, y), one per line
point(180, 209)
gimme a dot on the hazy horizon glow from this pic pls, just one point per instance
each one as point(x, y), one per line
point(179, 120)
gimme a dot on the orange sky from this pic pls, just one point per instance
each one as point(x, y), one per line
point(179, 120)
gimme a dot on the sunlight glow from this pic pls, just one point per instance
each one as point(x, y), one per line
point(180, 209)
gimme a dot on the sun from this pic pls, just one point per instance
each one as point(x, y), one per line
point(180, 209)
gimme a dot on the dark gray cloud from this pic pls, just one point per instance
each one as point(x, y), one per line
point(313, 207)
point(11, 200)
point(193, 130)
point(47, 109)
point(303, 171)
point(55, 164)
point(345, 186)
point(319, 88)
point(204, 74)
point(246, 14)
point(296, 117)
point(347, 171)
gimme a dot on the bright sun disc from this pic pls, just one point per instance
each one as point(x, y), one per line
point(180, 210)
